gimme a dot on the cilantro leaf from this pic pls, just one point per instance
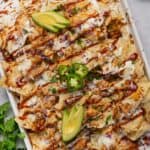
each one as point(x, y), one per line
point(9, 131)
point(10, 125)
point(59, 7)
point(75, 10)
point(108, 119)
point(7, 144)
point(53, 90)
point(21, 135)
point(12, 137)
point(54, 79)
point(3, 110)
point(1, 128)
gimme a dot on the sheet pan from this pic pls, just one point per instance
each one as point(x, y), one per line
point(134, 32)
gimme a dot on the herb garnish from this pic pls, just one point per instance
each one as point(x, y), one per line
point(53, 90)
point(9, 130)
point(59, 7)
point(108, 119)
point(54, 79)
point(25, 31)
point(75, 10)
point(80, 42)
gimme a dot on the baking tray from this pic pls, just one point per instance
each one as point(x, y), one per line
point(139, 46)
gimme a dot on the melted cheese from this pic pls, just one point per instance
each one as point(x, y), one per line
point(59, 44)
point(128, 101)
point(31, 117)
point(18, 41)
point(92, 22)
point(12, 9)
point(44, 5)
point(119, 84)
point(86, 57)
point(109, 68)
point(105, 140)
point(33, 101)
point(40, 82)
point(99, 141)
point(25, 65)
point(118, 52)
point(44, 79)
point(129, 70)
point(27, 3)
point(27, 26)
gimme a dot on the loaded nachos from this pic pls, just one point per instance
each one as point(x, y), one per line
point(76, 73)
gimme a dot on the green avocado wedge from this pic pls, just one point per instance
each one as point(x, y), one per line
point(59, 18)
point(49, 21)
point(45, 21)
point(72, 121)
point(59, 26)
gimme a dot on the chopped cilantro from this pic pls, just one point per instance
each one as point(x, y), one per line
point(133, 62)
point(108, 119)
point(59, 7)
point(79, 41)
point(7, 144)
point(25, 31)
point(3, 110)
point(21, 135)
point(54, 79)
point(53, 90)
point(9, 131)
point(72, 31)
point(75, 10)
point(10, 125)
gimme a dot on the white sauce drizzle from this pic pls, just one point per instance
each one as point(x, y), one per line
point(129, 70)
point(90, 23)
point(12, 7)
point(33, 101)
point(118, 52)
point(98, 141)
point(25, 65)
point(105, 140)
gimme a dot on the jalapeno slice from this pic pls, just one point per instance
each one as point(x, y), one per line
point(62, 70)
point(74, 82)
point(79, 69)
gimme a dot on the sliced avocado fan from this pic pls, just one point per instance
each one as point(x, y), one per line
point(52, 21)
point(72, 121)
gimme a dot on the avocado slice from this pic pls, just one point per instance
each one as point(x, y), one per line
point(59, 18)
point(72, 121)
point(45, 20)
point(59, 26)
point(51, 28)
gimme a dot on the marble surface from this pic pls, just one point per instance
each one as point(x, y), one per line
point(141, 14)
